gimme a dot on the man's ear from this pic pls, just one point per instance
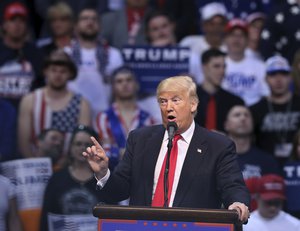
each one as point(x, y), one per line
point(194, 106)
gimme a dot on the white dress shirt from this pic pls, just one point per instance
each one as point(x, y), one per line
point(183, 145)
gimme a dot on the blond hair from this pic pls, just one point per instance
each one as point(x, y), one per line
point(60, 9)
point(179, 83)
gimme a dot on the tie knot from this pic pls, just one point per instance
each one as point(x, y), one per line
point(176, 138)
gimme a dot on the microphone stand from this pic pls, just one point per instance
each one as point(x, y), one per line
point(166, 174)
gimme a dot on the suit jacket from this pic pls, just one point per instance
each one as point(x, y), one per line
point(208, 178)
point(114, 29)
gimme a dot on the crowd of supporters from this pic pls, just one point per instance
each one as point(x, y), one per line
point(63, 78)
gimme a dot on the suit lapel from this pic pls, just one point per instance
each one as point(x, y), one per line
point(192, 163)
point(152, 149)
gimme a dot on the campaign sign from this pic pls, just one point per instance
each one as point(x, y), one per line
point(292, 181)
point(84, 222)
point(30, 177)
point(153, 64)
point(143, 225)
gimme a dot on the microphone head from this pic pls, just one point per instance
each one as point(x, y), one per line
point(172, 125)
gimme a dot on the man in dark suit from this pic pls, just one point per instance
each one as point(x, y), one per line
point(206, 174)
point(215, 101)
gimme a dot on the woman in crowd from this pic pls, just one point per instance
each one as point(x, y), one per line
point(72, 190)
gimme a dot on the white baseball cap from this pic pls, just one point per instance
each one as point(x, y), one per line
point(277, 63)
point(213, 9)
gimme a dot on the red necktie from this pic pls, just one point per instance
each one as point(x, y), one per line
point(158, 199)
point(210, 120)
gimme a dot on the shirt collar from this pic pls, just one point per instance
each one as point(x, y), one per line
point(187, 135)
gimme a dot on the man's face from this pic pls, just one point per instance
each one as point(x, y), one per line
point(15, 28)
point(214, 26)
point(236, 41)
point(279, 83)
point(255, 29)
point(124, 86)
point(177, 106)
point(269, 208)
point(52, 145)
point(57, 76)
point(239, 122)
point(161, 31)
point(88, 25)
point(61, 25)
point(214, 70)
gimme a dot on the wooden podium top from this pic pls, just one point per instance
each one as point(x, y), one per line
point(171, 214)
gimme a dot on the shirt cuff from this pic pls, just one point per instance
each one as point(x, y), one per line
point(101, 182)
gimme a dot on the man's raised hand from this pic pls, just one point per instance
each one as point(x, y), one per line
point(97, 159)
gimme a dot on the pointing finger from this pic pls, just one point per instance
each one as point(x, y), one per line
point(96, 143)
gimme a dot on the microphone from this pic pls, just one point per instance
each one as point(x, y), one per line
point(171, 128)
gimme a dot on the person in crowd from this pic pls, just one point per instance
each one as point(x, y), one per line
point(277, 118)
point(295, 155)
point(199, 157)
point(50, 143)
point(52, 106)
point(215, 101)
point(95, 61)
point(108, 5)
point(253, 162)
point(213, 22)
point(61, 21)
point(269, 215)
point(255, 22)
point(241, 78)
point(71, 190)
point(20, 60)
point(42, 7)
point(8, 126)
point(240, 9)
point(183, 11)
point(280, 34)
point(160, 32)
point(124, 115)
point(292, 178)
point(9, 217)
point(296, 73)
point(128, 24)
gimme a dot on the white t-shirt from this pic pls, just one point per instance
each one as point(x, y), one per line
point(197, 44)
point(7, 192)
point(89, 81)
point(282, 222)
point(246, 78)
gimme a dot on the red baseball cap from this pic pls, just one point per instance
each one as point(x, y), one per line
point(15, 9)
point(271, 186)
point(236, 23)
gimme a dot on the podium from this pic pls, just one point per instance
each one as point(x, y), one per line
point(113, 218)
